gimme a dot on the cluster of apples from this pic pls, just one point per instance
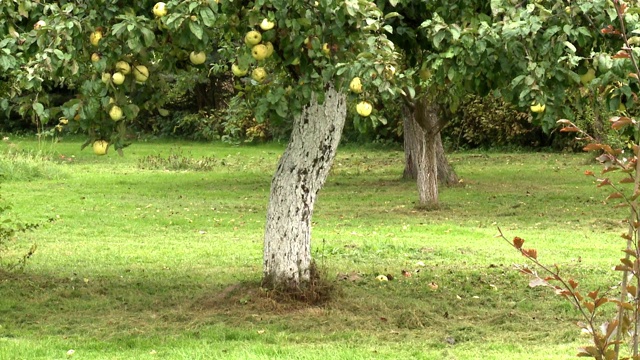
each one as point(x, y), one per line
point(259, 51)
point(196, 57)
point(363, 107)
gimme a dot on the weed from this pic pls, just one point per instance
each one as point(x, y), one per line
point(178, 161)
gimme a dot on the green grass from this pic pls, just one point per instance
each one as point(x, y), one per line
point(164, 264)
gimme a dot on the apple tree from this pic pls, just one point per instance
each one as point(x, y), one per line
point(293, 61)
point(538, 55)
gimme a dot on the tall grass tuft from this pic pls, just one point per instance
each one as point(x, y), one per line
point(25, 165)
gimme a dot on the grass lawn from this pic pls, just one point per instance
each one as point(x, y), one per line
point(136, 261)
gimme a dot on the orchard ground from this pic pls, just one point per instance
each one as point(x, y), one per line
point(158, 254)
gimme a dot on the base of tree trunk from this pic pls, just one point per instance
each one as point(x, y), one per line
point(318, 290)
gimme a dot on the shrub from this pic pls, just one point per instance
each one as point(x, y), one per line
point(485, 122)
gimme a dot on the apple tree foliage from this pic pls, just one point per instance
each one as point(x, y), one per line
point(547, 52)
point(50, 46)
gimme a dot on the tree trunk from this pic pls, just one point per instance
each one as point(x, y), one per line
point(414, 139)
point(301, 173)
point(446, 174)
point(425, 160)
point(425, 114)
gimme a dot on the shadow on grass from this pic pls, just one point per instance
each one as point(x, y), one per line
point(466, 307)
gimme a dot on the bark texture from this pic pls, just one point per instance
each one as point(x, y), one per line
point(301, 173)
point(414, 140)
point(425, 160)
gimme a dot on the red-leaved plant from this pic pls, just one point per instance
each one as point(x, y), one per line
point(607, 337)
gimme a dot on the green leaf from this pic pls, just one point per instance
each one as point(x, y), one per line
point(207, 16)
point(571, 47)
point(39, 109)
point(148, 36)
point(196, 29)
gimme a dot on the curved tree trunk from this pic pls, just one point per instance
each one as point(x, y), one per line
point(301, 173)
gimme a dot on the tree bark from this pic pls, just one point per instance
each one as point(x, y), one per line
point(425, 160)
point(414, 139)
point(301, 173)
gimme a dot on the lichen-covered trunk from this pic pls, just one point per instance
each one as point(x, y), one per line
point(301, 173)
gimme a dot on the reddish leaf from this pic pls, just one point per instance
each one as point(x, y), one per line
point(627, 180)
point(538, 282)
point(570, 129)
point(578, 295)
point(588, 172)
point(526, 271)
point(590, 351)
point(615, 195)
point(631, 289)
point(573, 283)
point(604, 182)
point(627, 262)
point(592, 147)
point(622, 54)
point(593, 294)
point(532, 253)
point(622, 268)
point(611, 327)
point(517, 242)
point(601, 301)
point(608, 149)
point(620, 122)
point(589, 306)
point(631, 253)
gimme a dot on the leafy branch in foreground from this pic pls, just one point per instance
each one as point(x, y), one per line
point(606, 336)
point(609, 335)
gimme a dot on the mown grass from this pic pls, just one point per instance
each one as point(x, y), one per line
point(139, 258)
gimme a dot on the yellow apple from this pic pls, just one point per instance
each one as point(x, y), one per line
point(588, 77)
point(364, 108)
point(269, 46)
point(389, 71)
point(115, 113)
point(100, 147)
point(141, 73)
point(355, 85)
point(259, 74)
point(259, 52)
point(159, 9)
point(267, 25)
point(325, 49)
point(95, 38)
point(237, 71)
point(197, 58)
point(537, 107)
point(95, 57)
point(252, 38)
point(117, 78)
point(106, 77)
point(123, 67)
